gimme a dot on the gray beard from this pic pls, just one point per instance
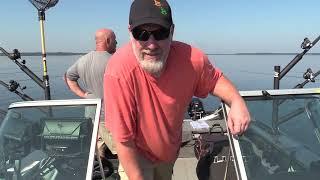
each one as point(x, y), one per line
point(153, 67)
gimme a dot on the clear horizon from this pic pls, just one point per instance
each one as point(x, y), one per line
point(216, 27)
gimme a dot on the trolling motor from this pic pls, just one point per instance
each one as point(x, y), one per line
point(195, 109)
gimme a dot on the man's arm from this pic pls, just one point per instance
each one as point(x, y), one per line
point(71, 78)
point(75, 88)
point(239, 117)
point(128, 156)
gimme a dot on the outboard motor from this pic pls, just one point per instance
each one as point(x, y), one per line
point(195, 109)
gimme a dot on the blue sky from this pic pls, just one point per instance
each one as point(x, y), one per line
point(214, 26)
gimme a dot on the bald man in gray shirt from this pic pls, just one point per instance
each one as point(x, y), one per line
point(89, 69)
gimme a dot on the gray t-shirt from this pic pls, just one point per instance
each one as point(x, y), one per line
point(90, 70)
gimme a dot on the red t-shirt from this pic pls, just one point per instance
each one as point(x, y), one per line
point(150, 110)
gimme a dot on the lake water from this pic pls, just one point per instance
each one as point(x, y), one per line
point(248, 72)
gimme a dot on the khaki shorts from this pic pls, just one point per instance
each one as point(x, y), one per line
point(161, 171)
point(105, 137)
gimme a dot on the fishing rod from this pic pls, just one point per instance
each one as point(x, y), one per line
point(14, 57)
point(13, 86)
point(306, 45)
point(42, 6)
point(278, 75)
point(309, 76)
point(276, 121)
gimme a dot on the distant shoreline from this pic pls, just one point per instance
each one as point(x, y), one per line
point(49, 54)
point(82, 53)
point(260, 53)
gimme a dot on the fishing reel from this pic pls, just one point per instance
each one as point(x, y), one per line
point(309, 75)
point(15, 55)
point(306, 44)
point(13, 86)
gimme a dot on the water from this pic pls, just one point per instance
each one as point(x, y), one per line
point(57, 66)
point(248, 72)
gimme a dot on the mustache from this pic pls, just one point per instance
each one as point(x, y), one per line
point(151, 51)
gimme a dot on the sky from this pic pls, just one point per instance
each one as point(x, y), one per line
point(214, 26)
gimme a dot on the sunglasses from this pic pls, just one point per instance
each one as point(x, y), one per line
point(143, 35)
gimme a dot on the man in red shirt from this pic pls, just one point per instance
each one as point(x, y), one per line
point(150, 82)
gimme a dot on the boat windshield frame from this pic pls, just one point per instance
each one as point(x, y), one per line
point(282, 95)
point(71, 102)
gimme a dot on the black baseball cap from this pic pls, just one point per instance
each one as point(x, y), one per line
point(150, 12)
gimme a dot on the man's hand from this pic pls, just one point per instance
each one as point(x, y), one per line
point(85, 95)
point(238, 117)
point(75, 88)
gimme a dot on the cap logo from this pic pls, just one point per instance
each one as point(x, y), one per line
point(163, 11)
point(158, 4)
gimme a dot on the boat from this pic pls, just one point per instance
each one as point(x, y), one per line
point(36, 137)
point(56, 139)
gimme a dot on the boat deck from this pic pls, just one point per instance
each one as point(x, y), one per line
point(185, 166)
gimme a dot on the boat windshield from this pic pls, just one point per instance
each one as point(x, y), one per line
point(49, 140)
point(283, 140)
